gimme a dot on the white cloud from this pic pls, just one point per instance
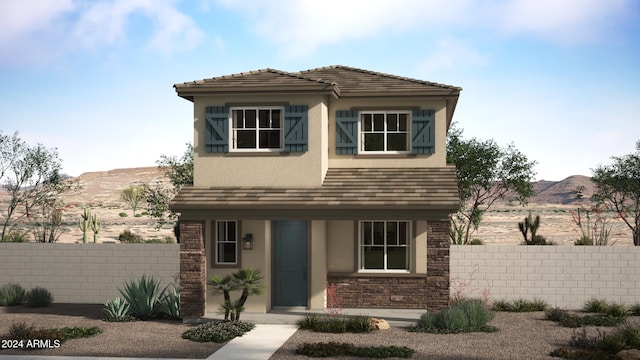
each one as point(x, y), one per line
point(50, 28)
point(301, 26)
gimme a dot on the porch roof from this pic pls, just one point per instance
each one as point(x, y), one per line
point(407, 191)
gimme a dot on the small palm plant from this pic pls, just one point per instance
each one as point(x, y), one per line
point(247, 280)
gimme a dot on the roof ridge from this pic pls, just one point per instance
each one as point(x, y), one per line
point(397, 77)
point(258, 71)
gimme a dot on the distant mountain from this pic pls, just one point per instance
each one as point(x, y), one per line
point(561, 192)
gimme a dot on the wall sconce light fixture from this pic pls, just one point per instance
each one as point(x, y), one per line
point(247, 242)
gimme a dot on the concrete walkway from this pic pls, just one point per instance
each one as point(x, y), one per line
point(258, 344)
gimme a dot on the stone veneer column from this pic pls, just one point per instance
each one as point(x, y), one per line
point(437, 264)
point(192, 269)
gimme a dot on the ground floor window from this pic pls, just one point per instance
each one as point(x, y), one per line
point(226, 242)
point(385, 245)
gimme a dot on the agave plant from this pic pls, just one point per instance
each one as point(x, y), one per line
point(143, 297)
point(169, 305)
point(116, 309)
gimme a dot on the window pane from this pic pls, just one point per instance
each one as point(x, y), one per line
point(250, 118)
point(403, 233)
point(397, 258)
point(397, 142)
point(378, 233)
point(238, 119)
point(231, 231)
point(367, 121)
point(392, 233)
point(264, 118)
point(403, 120)
point(367, 233)
point(222, 234)
point(226, 253)
point(378, 122)
point(269, 139)
point(373, 142)
point(246, 139)
point(392, 122)
point(372, 257)
point(275, 119)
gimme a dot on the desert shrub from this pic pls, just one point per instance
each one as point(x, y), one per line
point(335, 349)
point(123, 214)
point(15, 237)
point(218, 331)
point(475, 242)
point(143, 297)
point(467, 315)
point(582, 340)
point(128, 237)
point(584, 241)
point(519, 305)
point(625, 337)
point(169, 305)
point(22, 331)
point(595, 306)
point(567, 319)
point(11, 294)
point(582, 354)
point(616, 310)
point(38, 297)
point(164, 240)
point(335, 324)
point(117, 310)
point(634, 309)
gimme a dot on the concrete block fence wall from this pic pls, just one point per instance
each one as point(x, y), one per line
point(86, 273)
point(563, 276)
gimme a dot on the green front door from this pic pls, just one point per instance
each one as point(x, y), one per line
point(290, 286)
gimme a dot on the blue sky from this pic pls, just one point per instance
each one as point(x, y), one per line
point(559, 79)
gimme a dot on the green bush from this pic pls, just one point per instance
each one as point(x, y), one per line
point(635, 309)
point(22, 331)
point(128, 237)
point(117, 310)
point(335, 324)
point(143, 297)
point(601, 346)
point(567, 319)
point(123, 214)
point(519, 305)
point(335, 349)
point(38, 297)
point(11, 294)
point(625, 337)
point(475, 242)
point(15, 237)
point(467, 315)
point(595, 306)
point(218, 331)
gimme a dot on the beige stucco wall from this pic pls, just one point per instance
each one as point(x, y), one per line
point(317, 263)
point(260, 168)
point(259, 258)
point(437, 159)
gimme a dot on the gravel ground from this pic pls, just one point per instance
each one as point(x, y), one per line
point(521, 336)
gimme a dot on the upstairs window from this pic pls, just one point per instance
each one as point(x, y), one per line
point(384, 132)
point(257, 129)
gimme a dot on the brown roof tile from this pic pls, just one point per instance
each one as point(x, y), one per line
point(389, 189)
point(341, 81)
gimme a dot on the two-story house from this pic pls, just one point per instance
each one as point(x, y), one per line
point(330, 178)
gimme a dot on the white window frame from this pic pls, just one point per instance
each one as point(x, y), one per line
point(385, 132)
point(408, 246)
point(217, 242)
point(233, 130)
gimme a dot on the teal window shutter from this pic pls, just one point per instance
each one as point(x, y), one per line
point(423, 132)
point(346, 132)
point(296, 128)
point(217, 129)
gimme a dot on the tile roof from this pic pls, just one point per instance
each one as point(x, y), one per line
point(388, 189)
point(341, 81)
